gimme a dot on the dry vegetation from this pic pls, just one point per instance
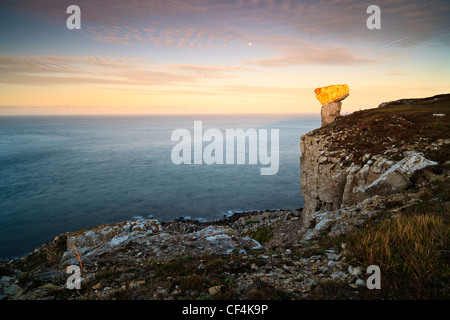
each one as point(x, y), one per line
point(411, 249)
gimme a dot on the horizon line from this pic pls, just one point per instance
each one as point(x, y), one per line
point(160, 114)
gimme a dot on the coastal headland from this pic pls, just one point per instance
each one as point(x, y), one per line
point(376, 189)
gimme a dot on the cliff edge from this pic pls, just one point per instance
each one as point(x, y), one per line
point(372, 153)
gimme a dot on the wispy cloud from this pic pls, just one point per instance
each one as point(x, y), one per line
point(395, 73)
point(311, 54)
point(291, 32)
point(200, 23)
point(44, 70)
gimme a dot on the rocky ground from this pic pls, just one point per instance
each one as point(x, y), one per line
point(145, 259)
point(254, 255)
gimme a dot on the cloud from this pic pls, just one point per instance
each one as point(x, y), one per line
point(287, 32)
point(54, 70)
point(209, 22)
point(225, 90)
point(312, 55)
point(395, 73)
point(287, 92)
point(404, 22)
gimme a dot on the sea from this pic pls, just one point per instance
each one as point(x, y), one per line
point(67, 173)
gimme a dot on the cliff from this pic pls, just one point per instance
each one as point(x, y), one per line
point(372, 153)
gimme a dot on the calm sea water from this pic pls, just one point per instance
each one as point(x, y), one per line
point(66, 173)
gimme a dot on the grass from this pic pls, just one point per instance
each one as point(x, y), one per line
point(179, 267)
point(407, 245)
point(48, 256)
point(264, 291)
point(186, 276)
point(411, 250)
point(262, 235)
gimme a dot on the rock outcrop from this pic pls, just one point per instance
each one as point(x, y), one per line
point(330, 97)
point(152, 240)
point(364, 155)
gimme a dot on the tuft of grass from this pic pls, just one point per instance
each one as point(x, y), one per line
point(264, 291)
point(411, 250)
point(309, 251)
point(204, 296)
point(47, 256)
point(262, 235)
point(179, 267)
point(191, 282)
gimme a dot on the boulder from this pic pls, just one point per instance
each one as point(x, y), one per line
point(333, 93)
point(397, 177)
point(330, 112)
point(330, 97)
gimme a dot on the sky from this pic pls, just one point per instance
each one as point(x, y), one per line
point(217, 56)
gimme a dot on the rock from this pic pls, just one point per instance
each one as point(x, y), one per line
point(311, 282)
point(224, 240)
point(321, 184)
point(6, 279)
point(96, 286)
point(331, 264)
point(360, 283)
point(337, 275)
point(214, 290)
point(328, 187)
point(355, 271)
point(145, 238)
point(330, 97)
point(135, 284)
point(176, 291)
point(13, 290)
point(50, 275)
point(323, 269)
point(330, 112)
point(101, 239)
point(396, 179)
point(333, 93)
point(333, 256)
point(200, 266)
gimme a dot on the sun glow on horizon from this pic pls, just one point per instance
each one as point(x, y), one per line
point(188, 57)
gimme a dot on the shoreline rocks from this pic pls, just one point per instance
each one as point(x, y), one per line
point(145, 259)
